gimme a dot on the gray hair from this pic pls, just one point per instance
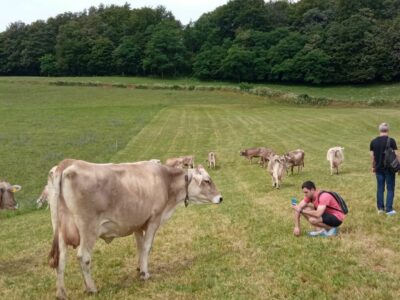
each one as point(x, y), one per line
point(384, 127)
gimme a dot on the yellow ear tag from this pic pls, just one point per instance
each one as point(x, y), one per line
point(14, 190)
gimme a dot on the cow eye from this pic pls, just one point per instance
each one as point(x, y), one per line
point(207, 181)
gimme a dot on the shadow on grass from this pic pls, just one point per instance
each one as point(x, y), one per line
point(18, 267)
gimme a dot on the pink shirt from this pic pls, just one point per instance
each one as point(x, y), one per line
point(328, 200)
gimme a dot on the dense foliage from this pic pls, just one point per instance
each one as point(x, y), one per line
point(312, 41)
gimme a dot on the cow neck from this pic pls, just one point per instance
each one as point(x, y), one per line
point(187, 189)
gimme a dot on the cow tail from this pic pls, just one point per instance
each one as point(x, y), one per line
point(54, 255)
point(54, 186)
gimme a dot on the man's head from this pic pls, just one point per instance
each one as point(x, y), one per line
point(384, 128)
point(308, 188)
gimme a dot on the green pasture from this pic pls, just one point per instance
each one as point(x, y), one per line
point(358, 93)
point(241, 249)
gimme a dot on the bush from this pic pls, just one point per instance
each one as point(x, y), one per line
point(119, 85)
point(376, 102)
point(245, 86)
point(309, 100)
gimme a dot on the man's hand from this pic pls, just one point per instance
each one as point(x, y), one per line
point(297, 208)
point(296, 231)
point(373, 170)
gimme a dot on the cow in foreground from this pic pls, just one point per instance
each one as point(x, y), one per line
point(294, 158)
point(276, 167)
point(212, 160)
point(90, 201)
point(7, 199)
point(335, 156)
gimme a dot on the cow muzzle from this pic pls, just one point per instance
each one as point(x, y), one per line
point(217, 199)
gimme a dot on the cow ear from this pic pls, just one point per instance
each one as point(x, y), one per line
point(198, 178)
point(14, 188)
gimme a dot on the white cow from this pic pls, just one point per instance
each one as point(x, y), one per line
point(335, 156)
point(212, 160)
point(276, 167)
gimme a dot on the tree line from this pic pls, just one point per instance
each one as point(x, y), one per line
point(309, 41)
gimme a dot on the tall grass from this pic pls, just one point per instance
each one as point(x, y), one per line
point(241, 249)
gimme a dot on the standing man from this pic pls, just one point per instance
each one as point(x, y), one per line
point(383, 175)
point(320, 209)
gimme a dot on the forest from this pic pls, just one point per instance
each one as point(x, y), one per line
point(309, 41)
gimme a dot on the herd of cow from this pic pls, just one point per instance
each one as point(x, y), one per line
point(89, 201)
point(278, 164)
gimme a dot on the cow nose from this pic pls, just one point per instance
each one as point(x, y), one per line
point(220, 199)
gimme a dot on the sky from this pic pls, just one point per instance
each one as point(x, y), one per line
point(29, 11)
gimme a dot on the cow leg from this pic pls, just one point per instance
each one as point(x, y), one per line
point(139, 244)
point(84, 257)
point(144, 256)
point(61, 293)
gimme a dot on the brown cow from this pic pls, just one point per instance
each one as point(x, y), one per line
point(90, 201)
point(180, 162)
point(265, 154)
point(250, 153)
point(211, 159)
point(294, 158)
point(175, 162)
point(188, 161)
point(7, 200)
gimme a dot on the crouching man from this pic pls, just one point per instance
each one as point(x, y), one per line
point(320, 209)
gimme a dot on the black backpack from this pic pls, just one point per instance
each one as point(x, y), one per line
point(390, 161)
point(339, 199)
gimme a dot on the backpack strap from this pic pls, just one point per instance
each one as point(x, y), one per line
point(388, 142)
point(321, 192)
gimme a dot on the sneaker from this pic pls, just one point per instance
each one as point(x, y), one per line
point(331, 232)
point(315, 233)
point(381, 211)
point(391, 213)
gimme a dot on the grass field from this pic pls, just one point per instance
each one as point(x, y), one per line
point(241, 249)
point(359, 93)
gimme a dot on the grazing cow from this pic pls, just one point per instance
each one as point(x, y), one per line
point(7, 200)
point(265, 154)
point(175, 162)
point(180, 162)
point(335, 156)
point(188, 161)
point(276, 167)
point(250, 153)
point(90, 201)
point(294, 158)
point(211, 159)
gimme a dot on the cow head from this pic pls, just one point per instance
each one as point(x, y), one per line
point(7, 200)
point(201, 189)
point(242, 153)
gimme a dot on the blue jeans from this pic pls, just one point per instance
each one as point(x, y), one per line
point(390, 179)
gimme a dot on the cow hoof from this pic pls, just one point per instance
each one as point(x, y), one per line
point(61, 294)
point(138, 269)
point(144, 276)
